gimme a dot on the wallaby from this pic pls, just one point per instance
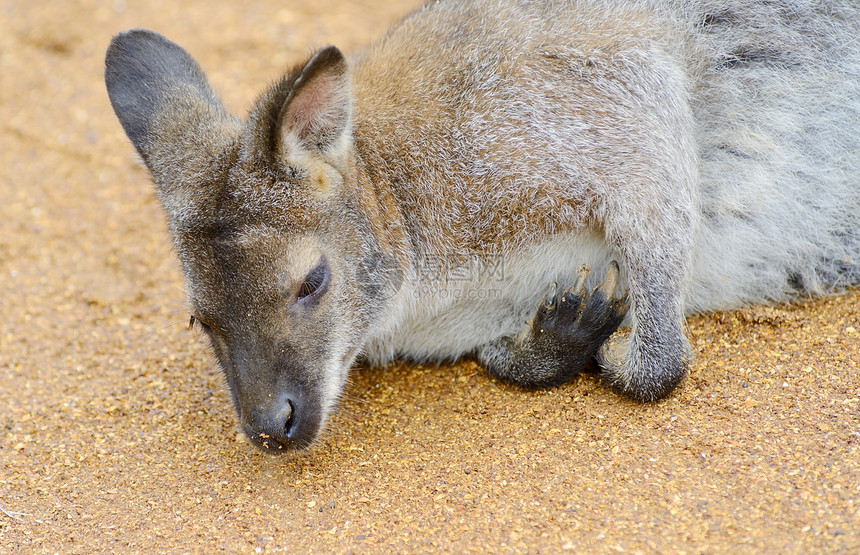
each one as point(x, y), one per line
point(440, 193)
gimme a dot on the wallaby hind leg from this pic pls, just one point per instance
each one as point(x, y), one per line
point(651, 361)
point(648, 363)
point(562, 336)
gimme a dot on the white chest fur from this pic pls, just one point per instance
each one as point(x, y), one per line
point(447, 309)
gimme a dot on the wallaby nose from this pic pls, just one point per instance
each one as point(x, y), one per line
point(280, 425)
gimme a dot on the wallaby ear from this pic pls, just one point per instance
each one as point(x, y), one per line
point(163, 101)
point(317, 112)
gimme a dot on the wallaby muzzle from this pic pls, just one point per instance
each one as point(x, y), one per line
point(279, 409)
point(286, 420)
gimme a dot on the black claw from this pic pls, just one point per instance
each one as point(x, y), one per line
point(546, 312)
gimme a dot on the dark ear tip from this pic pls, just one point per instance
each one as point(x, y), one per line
point(140, 33)
point(134, 33)
point(332, 51)
point(135, 39)
point(328, 57)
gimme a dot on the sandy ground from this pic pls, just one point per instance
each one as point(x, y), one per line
point(116, 432)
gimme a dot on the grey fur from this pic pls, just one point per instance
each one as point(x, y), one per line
point(712, 148)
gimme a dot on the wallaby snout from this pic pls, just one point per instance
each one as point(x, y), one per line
point(287, 420)
point(281, 395)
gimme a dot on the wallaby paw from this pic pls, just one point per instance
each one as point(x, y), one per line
point(563, 336)
point(574, 320)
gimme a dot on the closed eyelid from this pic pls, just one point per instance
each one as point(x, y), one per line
point(315, 282)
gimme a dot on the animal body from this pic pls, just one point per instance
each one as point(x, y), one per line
point(440, 193)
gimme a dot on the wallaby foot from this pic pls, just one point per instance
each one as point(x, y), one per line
point(562, 336)
point(657, 371)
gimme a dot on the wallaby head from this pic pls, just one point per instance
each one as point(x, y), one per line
point(270, 218)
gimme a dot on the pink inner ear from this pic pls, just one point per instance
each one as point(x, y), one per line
point(315, 107)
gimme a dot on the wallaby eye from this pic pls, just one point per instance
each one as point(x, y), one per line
point(315, 283)
point(203, 325)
